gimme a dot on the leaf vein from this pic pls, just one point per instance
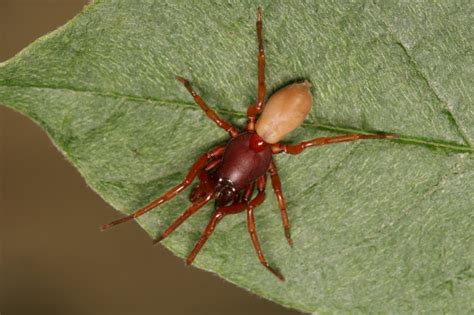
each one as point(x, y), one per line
point(462, 132)
point(437, 143)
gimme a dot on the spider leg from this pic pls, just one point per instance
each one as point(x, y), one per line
point(198, 201)
point(259, 198)
point(197, 166)
point(256, 109)
point(235, 208)
point(185, 215)
point(298, 148)
point(248, 192)
point(281, 200)
point(216, 217)
point(209, 112)
point(212, 165)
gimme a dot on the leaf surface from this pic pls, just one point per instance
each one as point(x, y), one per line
point(378, 226)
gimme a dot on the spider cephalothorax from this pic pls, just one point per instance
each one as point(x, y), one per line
point(230, 173)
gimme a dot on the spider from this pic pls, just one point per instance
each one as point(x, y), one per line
point(231, 172)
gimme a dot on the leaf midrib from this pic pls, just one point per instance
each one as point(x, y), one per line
point(404, 139)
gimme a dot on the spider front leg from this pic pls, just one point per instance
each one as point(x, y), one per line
point(257, 108)
point(255, 202)
point(183, 217)
point(170, 194)
point(216, 218)
point(298, 148)
point(209, 112)
point(236, 208)
point(276, 184)
point(198, 201)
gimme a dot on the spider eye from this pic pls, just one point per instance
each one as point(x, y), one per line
point(225, 194)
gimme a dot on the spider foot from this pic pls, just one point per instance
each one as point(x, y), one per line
point(157, 240)
point(390, 136)
point(276, 273)
point(288, 237)
point(116, 222)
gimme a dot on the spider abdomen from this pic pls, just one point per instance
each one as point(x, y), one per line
point(240, 164)
point(284, 111)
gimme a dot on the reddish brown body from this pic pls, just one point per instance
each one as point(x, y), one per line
point(231, 173)
point(240, 164)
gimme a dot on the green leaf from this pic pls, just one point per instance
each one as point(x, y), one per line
point(378, 226)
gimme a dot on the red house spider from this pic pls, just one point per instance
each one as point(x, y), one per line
point(230, 172)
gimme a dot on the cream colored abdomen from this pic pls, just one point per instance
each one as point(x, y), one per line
point(284, 112)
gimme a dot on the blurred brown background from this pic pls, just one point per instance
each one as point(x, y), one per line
point(54, 260)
